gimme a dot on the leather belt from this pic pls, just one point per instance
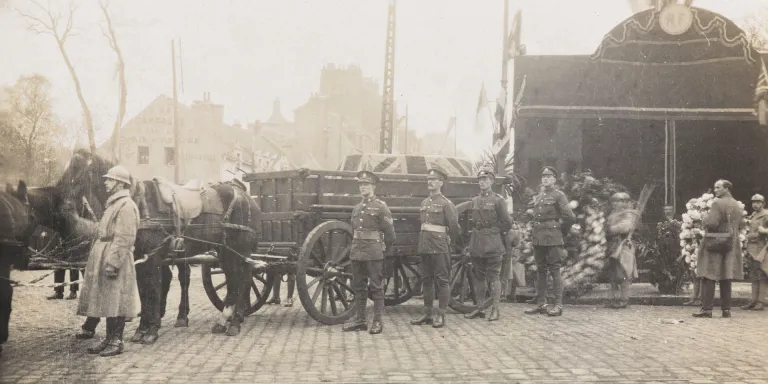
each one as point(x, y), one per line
point(106, 238)
point(487, 229)
point(366, 235)
point(434, 228)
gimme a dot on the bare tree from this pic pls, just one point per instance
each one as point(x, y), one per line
point(109, 33)
point(30, 122)
point(60, 27)
point(757, 32)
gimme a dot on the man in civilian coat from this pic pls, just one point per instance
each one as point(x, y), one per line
point(724, 216)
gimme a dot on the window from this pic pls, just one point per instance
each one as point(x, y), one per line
point(143, 155)
point(170, 156)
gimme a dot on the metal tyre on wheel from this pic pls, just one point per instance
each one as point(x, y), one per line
point(324, 275)
point(462, 285)
point(215, 284)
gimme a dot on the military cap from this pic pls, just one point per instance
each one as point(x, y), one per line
point(758, 197)
point(620, 196)
point(367, 177)
point(549, 171)
point(436, 173)
point(486, 170)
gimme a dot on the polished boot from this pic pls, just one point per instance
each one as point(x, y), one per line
point(424, 318)
point(233, 329)
point(113, 348)
point(288, 302)
point(85, 334)
point(355, 325)
point(556, 310)
point(758, 307)
point(150, 337)
point(138, 335)
point(275, 300)
point(704, 313)
point(726, 314)
point(96, 349)
point(475, 314)
point(494, 315)
point(749, 306)
point(56, 296)
point(540, 309)
point(72, 295)
point(376, 327)
point(439, 320)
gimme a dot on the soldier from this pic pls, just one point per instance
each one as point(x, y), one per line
point(439, 225)
point(757, 238)
point(371, 220)
point(486, 248)
point(552, 218)
point(622, 264)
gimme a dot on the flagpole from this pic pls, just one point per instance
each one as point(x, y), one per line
point(501, 156)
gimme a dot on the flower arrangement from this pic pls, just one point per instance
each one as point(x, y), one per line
point(661, 256)
point(692, 234)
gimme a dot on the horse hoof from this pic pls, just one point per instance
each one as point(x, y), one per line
point(233, 330)
point(218, 328)
point(181, 323)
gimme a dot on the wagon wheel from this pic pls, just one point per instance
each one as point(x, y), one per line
point(215, 284)
point(399, 280)
point(324, 273)
point(462, 286)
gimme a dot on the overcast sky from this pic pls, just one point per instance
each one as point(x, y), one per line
point(248, 52)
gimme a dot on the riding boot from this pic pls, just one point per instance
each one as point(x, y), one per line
point(439, 319)
point(754, 298)
point(378, 310)
point(494, 316)
point(424, 318)
point(358, 322)
point(477, 313)
point(540, 309)
point(115, 345)
point(98, 348)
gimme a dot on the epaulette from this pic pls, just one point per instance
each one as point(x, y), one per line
point(382, 202)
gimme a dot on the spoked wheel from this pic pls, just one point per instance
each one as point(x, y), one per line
point(398, 286)
point(463, 287)
point(324, 275)
point(215, 284)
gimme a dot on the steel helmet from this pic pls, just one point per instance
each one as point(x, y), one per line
point(119, 173)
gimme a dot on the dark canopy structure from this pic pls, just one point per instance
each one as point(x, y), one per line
point(640, 71)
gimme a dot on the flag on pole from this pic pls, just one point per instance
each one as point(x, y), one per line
point(482, 108)
point(761, 95)
point(513, 41)
point(501, 105)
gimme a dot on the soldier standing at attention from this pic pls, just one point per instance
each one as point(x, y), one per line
point(439, 225)
point(757, 239)
point(486, 247)
point(374, 234)
point(552, 219)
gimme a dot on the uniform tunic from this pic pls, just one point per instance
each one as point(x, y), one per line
point(620, 224)
point(492, 222)
point(374, 232)
point(440, 225)
point(552, 218)
point(112, 297)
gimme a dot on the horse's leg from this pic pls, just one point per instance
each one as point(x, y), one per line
point(243, 299)
point(166, 279)
point(6, 297)
point(154, 285)
point(141, 272)
point(229, 266)
point(182, 320)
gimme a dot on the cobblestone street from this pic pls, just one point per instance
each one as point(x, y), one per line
point(285, 345)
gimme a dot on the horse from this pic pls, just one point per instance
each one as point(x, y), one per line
point(233, 234)
point(17, 224)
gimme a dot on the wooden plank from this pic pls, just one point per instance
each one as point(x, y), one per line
point(300, 201)
point(283, 194)
point(285, 230)
point(301, 172)
point(266, 231)
point(276, 228)
point(267, 196)
point(271, 216)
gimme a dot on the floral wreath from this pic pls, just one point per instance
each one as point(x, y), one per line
point(692, 233)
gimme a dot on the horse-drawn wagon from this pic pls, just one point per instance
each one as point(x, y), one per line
point(305, 227)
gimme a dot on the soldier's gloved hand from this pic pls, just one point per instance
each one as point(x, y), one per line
point(111, 272)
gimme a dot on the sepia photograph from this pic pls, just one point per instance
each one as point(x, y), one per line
point(383, 191)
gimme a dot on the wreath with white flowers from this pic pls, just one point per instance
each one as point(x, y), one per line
point(692, 233)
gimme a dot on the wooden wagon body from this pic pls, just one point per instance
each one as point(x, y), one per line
point(305, 220)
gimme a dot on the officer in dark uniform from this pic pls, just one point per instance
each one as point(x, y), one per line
point(439, 225)
point(552, 219)
point(374, 234)
point(486, 248)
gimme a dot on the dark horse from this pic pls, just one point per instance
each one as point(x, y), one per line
point(16, 227)
point(233, 234)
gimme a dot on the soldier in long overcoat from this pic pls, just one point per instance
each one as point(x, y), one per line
point(109, 287)
point(725, 216)
point(757, 239)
